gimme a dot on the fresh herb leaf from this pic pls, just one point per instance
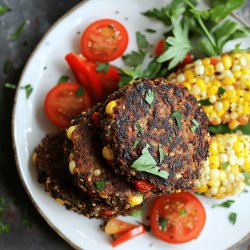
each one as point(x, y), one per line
point(63, 79)
point(182, 212)
point(226, 204)
point(159, 14)
point(179, 44)
point(161, 153)
point(141, 41)
point(150, 30)
point(232, 218)
point(152, 69)
point(134, 58)
point(80, 91)
point(150, 96)
point(245, 129)
point(139, 128)
point(247, 177)
point(28, 90)
point(195, 126)
point(205, 102)
point(163, 224)
point(4, 228)
point(125, 79)
point(103, 67)
point(100, 184)
point(9, 85)
point(223, 129)
point(6, 67)
point(137, 213)
point(18, 32)
point(147, 163)
point(237, 49)
point(177, 116)
point(221, 92)
point(136, 143)
point(147, 227)
point(3, 9)
point(225, 165)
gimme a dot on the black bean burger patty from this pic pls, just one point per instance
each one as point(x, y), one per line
point(90, 172)
point(156, 131)
point(52, 173)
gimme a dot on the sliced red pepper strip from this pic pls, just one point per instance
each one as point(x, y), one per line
point(129, 235)
point(143, 186)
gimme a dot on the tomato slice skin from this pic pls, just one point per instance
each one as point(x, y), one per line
point(61, 104)
point(104, 40)
point(184, 215)
point(160, 47)
point(129, 235)
point(143, 186)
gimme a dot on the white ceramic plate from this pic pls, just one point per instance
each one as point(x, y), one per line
point(30, 125)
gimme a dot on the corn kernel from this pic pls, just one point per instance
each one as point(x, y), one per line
point(214, 183)
point(213, 148)
point(108, 153)
point(228, 80)
point(210, 70)
point(110, 107)
point(59, 201)
point(34, 156)
point(238, 146)
point(189, 74)
point(70, 131)
point(214, 161)
point(227, 61)
point(233, 124)
point(135, 200)
point(213, 90)
point(206, 61)
point(72, 165)
point(203, 189)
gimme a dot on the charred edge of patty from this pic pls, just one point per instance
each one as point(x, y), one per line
point(118, 139)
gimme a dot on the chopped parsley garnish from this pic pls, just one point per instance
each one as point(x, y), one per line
point(63, 79)
point(161, 153)
point(150, 30)
point(183, 211)
point(80, 91)
point(177, 116)
point(139, 128)
point(3, 9)
point(195, 126)
point(147, 163)
point(227, 204)
point(221, 91)
point(136, 143)
point(137, 213)
point(205, 102)
point(225, 165)
point(247, 177)
point(9, 85)
point(100, 184)
point(163, 224)
point(150, 96)
point(103, 67)
point(232, 218)
point(18, 32)
point(28, 90)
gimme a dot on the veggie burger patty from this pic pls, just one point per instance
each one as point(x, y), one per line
point(52, 172)
point(89, 170)
point(156, 131)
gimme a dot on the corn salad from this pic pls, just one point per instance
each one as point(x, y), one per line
point(229, 156)
point(224, 83)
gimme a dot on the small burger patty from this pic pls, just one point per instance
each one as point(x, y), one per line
point(157, 132)
point(52, 172)
point(89, 169)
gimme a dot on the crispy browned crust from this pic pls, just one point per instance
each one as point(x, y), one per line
point(184, 150)
point(52, 172)
point(86, 147)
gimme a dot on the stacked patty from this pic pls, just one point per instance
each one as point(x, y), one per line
point(156, 131)
point(150, 136)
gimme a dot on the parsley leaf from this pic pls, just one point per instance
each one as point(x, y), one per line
point(223, 129)
point(28, 90)
point(163, 224)
point(134, 58)
point(161, 153)
point(237, 49)
point(137, 213)
point(141, 41)
point(232, 218)
point(136, 143)
point(80, 91)
point(221, 91)
point(147, 163)
point(177, 116)
point(139, 128)
point(150, 96)
point(63, 79)
point(226, 204)
point(9, 85)
point(103, 67)
point(18, 32)
point(179, 44)
point(195, 126)
point(100, 184)
point(247, 177)
point(3, 9)
point(182, 212)
point(152, 69)
point(158, 14)
point(225, 165)
point(205, 102)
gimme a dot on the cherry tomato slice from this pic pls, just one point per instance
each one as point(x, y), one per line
point(177, 218)
point(160, 47)
point(62, 104)
point(104, 40)
point(129, 235)
point(143, 186)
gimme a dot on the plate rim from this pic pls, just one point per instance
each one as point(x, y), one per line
point(18, 167)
